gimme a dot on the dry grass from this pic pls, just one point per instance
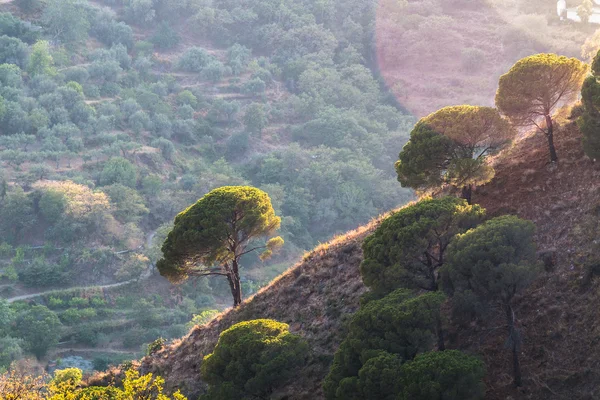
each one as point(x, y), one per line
point(558, 315)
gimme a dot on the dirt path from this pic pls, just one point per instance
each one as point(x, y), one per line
point(145, 275)
point(92, 350)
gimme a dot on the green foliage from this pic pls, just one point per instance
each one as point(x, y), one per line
point(13, 51)
point(129, 205)
point(491, 264)
point(203, 318)
point(16, 215)
point(155, 346)
point(11, 349)
point(448, 374)
point(29, 5)
point(589, 121)
point(255, 118)
point(252, 359)
point(41, 272)
point(450, 146)
point(194, 59)
point(40, 60)
point(201, 237)
point(40, 328)
point(408, 248)
point(378, 379)
point(496, 260)
point(398, 324)
point(554, 79)
point(67, 20)
point(7, 317)
point(119, 171)
point(165, 37)
point(52, 205)
point(139, 11)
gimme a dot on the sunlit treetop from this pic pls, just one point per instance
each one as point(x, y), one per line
point(473, 127)
point(537, 84)
point(216, 230)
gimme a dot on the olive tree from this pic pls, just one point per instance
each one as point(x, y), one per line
point(211, 236)
point(451, 145)
point(252, 359)
point(40, 328)
point(493, 263)
point(535, 87)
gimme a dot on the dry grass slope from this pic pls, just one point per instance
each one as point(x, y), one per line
point(558, 315)
point(315, 297)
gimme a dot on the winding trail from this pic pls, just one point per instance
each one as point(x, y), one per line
point(145, 275)
point(92, 350)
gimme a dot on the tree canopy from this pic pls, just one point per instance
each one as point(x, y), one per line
point(448, 375)
point(211, 236)
point(252, 359)
point(535, 87)
point(409, 246)
point(399, 324)
point(494, 262)
point(450, 146)
point(589, 121)
point(40, 328)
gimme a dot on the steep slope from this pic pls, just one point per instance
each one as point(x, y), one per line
point(558, 315)
point(464, 46)
point(315, 297)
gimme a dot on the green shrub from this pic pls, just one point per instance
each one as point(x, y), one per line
point(448, 375)
point(252, 359)
point(398, 324)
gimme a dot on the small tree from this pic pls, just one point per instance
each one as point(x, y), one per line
point(211, 236)
point(535, 86)
point(448, 375)
point(40, 328)
point(409, 246)
point(585, 10)
point(40, 60)
point(397, 324)
point(66, 20)
point(252, 359)
point(589, 122)
point(255, 118)
point(118, 170)
point(495, 262)
point(450, 146)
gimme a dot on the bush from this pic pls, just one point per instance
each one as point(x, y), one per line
point(398, 324)
point(41, 272)
point(40, 328)
point(118, 170)
point(165, 37)
point(449, 375)
point(252, 359)
point(194, 59)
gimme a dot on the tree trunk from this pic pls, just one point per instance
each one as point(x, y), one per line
point(550, 136)
point(440, 333)
point(236, 289)
point(514, 338)
point(467, 193)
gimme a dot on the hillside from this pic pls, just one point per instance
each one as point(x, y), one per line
point(464, 47)
point(558, 314)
